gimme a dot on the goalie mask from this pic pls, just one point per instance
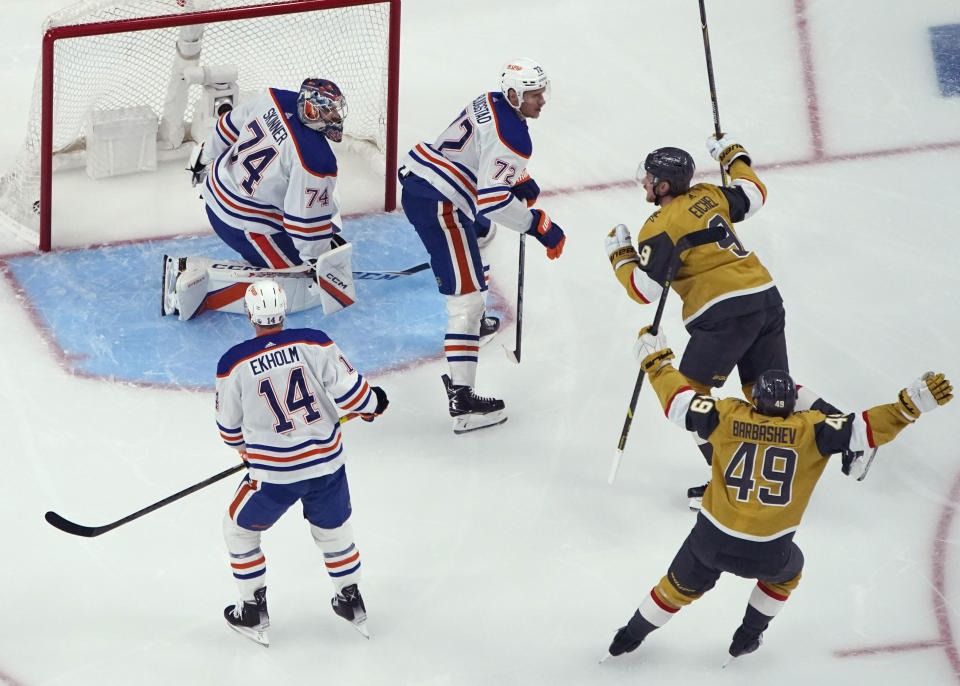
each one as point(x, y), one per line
point(265, 303)
point(521, 75)
point(672, 165)
point(322, 107)
point(774, 394)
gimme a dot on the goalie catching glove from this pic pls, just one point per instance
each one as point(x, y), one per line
point(548, 233)
point(619, 246)
point(726, 150)
point(925, 394)
point(651, 350)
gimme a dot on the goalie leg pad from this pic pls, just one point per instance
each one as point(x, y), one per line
point(334, 272)
point(172, 266)
point(191, 291)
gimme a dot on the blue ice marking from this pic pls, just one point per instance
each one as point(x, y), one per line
point(102, 307)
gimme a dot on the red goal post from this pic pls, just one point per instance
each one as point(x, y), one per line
point(369, 85)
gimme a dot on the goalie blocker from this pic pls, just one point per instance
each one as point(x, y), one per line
point(193, 285)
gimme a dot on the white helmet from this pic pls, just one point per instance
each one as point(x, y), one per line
point(265, 302)
point(523, 74)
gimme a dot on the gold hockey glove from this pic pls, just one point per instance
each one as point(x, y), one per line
point(654, 361)
point(648, 343)
point(925, 394)
point(726, 150)
point(619, 247)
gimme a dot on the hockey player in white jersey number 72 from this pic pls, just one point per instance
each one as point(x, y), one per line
point(269, 182)
point(279, 396)
point(475, 173)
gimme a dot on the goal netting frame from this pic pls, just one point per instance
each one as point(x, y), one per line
point(26, 188)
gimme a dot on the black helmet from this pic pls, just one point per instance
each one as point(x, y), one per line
point(774, 393)
point(673, 165)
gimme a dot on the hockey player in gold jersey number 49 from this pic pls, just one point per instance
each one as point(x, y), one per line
point(767, 459)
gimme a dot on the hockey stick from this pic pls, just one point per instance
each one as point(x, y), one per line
point(514, 355)
point(306, 272)
point(90, 531)
point(713, 85)
point(711, 234)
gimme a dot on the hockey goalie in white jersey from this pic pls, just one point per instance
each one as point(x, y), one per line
point(474, 174)
point(269, 182)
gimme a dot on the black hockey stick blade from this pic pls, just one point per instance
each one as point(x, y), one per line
point(76, 529)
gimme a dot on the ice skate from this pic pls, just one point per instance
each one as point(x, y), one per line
point(249, 618)
point(172, 267)
point(470, 411)
point(744, 642)
point(489, 326)
point(348, 603)
point(695, 494)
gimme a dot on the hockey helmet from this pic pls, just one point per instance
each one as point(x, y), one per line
point(521, 75)
point(322, 107)
point(265, 302)
point(672, 165)
point(774, 394)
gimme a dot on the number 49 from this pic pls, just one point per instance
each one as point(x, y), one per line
point(779, 466)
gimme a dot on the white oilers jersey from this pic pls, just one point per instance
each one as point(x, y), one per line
point(477, 160)
point(278, 397)
point(272, 174)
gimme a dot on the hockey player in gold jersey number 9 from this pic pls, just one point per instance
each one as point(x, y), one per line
point(767, 459)
point(731, 306)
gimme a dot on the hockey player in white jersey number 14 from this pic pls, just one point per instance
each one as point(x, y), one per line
point(269, 182)
point(475, 173)
point(279, 399)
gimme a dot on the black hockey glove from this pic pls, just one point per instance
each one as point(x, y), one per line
point(382, 403)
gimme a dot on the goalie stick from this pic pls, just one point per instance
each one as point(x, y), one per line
point(711, 234)
point(306, 272)
point(69, 527)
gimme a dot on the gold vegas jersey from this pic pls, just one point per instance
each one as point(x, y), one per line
point(715, 280)
point(764, 469)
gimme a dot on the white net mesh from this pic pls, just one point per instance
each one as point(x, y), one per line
point(118, 70)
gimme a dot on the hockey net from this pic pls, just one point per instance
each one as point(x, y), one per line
point(107, 55)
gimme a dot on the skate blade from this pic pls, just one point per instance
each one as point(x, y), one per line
point(359, 622)
point(471, 422)
point(361, 626)
point(258, 636)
